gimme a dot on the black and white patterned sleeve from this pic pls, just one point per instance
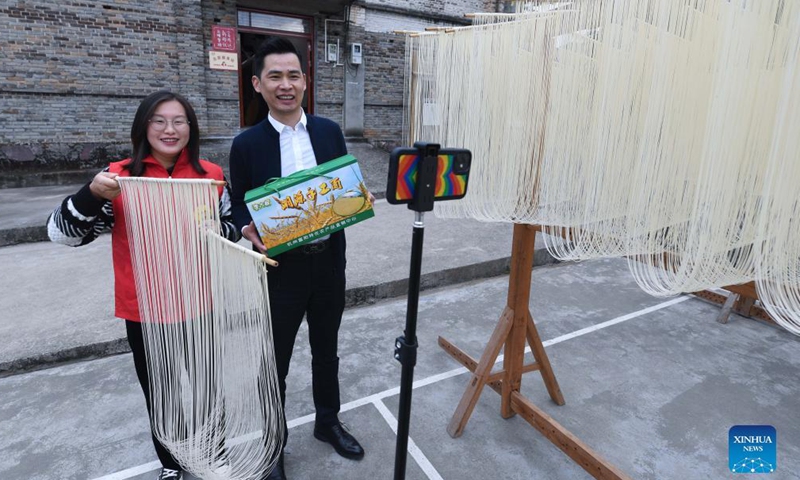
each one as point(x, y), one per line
point(80, 219)
point(229, 230)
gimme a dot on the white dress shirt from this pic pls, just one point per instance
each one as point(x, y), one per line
point(296, 151)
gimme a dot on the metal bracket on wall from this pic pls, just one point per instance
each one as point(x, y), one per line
point(336, 63)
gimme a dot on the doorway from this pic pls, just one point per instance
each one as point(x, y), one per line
point(256, 28)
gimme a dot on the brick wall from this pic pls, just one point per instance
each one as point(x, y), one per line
point(384, 60)
point(329, 76)
point(220, 87)
point(73, 72)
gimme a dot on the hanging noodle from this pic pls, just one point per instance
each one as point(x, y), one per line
point(205, 321)
point(778, 255)
point(661, 130)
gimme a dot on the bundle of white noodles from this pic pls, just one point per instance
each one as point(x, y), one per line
point(208, 340)
point(663, 130)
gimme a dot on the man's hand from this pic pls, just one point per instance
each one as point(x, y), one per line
point(250, 233)
point(104, 186)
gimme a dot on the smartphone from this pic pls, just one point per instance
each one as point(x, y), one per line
point(452, 174)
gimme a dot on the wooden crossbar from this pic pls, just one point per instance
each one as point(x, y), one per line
point(583, 455)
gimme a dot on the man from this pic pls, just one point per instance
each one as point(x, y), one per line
point(310, 280)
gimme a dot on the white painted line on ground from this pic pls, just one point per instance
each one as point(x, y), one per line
point(376, 399)
point(615, 321)
point(132, 472)
point(300, 421)
point(458, 371)
point(416, 453)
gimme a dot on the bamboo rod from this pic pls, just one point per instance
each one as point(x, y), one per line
point(236, 246)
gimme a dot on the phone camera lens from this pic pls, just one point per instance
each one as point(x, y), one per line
point(462, 164)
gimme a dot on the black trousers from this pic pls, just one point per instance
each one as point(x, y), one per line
point(310, 285)
point(136, 341)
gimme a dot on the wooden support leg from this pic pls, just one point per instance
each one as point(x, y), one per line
point(480, 376)
point(515, 327)
point(544, 362)
point(495, 380)
point(744, 306)
point(519, 293)
point(725, 313)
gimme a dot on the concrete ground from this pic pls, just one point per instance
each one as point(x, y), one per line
point(65, 294)
point(653, 385)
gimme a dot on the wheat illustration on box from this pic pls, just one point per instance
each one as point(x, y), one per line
point(309, 204)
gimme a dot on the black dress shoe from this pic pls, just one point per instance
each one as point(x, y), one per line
point(341, 440)
point(277, 472)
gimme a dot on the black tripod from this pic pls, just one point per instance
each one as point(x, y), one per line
point(406, 346)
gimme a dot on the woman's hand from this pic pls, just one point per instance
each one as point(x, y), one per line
point(105, 186)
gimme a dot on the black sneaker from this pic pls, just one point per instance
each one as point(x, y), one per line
point(170, 474)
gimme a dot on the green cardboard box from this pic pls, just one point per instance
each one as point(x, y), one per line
point(309, 204)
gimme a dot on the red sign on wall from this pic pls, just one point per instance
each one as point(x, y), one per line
point(223, 38)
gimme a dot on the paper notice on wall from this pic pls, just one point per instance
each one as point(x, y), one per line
point(223, 60)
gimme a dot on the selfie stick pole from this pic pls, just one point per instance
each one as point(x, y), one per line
point(406, 346)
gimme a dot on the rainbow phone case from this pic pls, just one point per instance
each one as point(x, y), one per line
point(449, 185)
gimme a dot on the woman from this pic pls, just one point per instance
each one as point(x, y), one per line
point(166, 143)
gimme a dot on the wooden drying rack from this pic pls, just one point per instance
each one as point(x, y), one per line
point(514, 328)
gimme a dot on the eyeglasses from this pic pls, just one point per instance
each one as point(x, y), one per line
point(160, 124)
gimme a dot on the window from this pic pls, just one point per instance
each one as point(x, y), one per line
point(266, 21)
